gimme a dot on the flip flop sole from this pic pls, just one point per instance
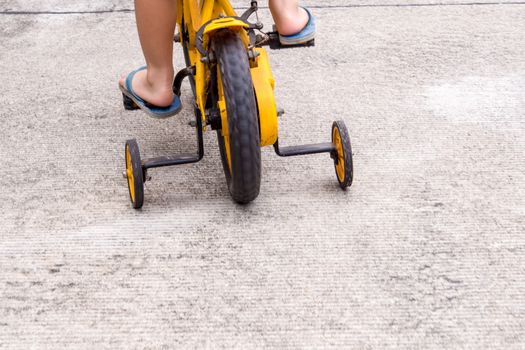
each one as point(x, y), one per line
point(148, 111)
point(297, 41)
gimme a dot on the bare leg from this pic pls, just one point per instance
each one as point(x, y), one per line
point(156, 20)
point(288, 16)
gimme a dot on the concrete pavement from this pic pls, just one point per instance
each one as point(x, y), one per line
point(426, 250)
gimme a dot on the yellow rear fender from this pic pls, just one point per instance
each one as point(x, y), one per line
point(207, 29)
point(263, 84)
point(225, 22)
point(202, 41)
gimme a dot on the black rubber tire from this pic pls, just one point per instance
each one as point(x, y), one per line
point(138, 176)
point(244, 181)
point(347, 155)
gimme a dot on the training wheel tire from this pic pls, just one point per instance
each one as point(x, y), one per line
point(134, 174)
point(342, 155)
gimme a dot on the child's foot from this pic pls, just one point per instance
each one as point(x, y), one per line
point(304, 35)
point(157, 100)
point(160, 95)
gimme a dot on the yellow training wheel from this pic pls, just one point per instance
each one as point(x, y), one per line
point(134, 174)
point(343, 154)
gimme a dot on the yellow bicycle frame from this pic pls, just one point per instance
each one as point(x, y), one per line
point(219, 14)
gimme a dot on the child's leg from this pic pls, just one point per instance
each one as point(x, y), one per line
point(156, 20)
point(288, 16)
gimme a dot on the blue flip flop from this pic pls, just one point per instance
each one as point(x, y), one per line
point(304, 36)
point(148, 108)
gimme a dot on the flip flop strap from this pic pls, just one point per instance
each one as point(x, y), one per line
point(129, 80)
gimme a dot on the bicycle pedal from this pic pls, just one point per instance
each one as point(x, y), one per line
point(129, 104)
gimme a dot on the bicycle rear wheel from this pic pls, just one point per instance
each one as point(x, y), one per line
point(239, 140)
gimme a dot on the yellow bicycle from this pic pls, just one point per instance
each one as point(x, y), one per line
point(233, 86)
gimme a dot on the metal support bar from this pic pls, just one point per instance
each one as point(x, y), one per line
point(160, 162)
point(300, 150)
point(165, 161)
point(181, 75)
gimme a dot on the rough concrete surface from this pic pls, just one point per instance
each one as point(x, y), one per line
point(425, 251)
